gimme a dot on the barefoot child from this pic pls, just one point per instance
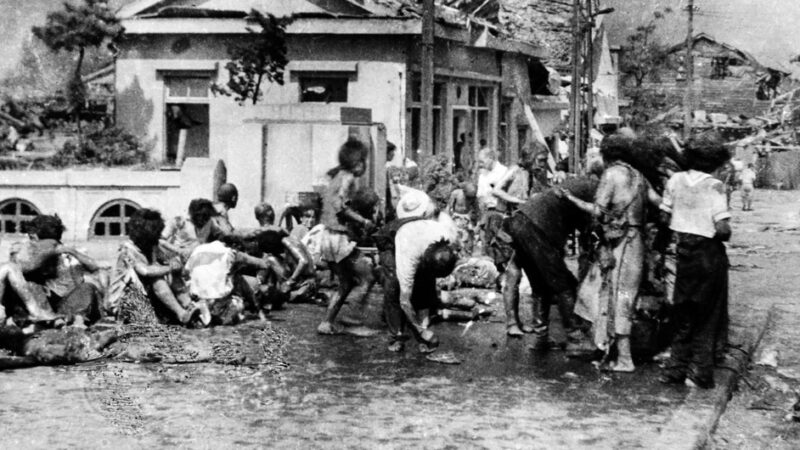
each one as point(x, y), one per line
point(337, 248)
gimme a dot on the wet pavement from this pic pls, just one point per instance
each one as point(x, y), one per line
point(349, 392)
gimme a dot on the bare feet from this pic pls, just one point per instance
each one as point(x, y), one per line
point(396, 347)
point(514, 331)
point(328, 328)
point(620, 366)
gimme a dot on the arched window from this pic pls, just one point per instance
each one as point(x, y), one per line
point(14, 212)
point(111, 219)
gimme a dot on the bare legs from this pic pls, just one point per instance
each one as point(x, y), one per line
point(38, 309)
point(345, 273)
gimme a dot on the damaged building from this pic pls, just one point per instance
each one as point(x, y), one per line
point(354, 71)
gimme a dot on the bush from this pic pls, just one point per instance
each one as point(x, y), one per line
point(107, 147)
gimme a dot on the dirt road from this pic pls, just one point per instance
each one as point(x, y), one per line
point(348, 392)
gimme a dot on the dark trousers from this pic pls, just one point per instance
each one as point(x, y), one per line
point(701, 307)
point(543, 263)
point(423, 296)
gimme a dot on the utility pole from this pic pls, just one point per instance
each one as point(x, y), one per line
point(577, 141)
point(688, 95)
point(590, 71)
point(426, 63)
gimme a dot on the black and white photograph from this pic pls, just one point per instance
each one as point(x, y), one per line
point(400, 224)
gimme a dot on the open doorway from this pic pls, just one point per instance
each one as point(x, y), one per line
point(187, 131)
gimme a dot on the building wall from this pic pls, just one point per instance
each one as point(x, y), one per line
point(77, 195)
point(378, 83)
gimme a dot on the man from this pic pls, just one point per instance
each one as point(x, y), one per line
point(490, 174)
point(748, 183)
point(514, 189)
point(694, 205)
point(414, 251)
point(539, 232)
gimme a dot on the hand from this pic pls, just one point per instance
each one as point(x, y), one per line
point(368, 224)
point(562, 193)
point(2, 316)
point(287, 286)
point(175, 265)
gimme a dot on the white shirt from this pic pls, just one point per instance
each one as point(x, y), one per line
point(411, 241)
point(696, 201)
point(487, 181)
point(748, 177)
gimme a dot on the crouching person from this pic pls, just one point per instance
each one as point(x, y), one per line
point(413, 253)
point(140, 290)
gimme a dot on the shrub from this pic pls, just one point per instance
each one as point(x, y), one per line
point(107, 147)
point(437, 179)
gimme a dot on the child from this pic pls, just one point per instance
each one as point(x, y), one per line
point(695, 205)
point(463, 207)
point(748, 180)
point(337, 249)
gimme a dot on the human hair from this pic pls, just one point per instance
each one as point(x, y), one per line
point(227, 193)
point(439, 259)
point(616, 148)
point(46, 227)
point(351, 153)
point(266, 212)
point(706, 153)
point(364, 201)
point(145, 227)
point(390, 147)
point(487, 153)
point(201, 210)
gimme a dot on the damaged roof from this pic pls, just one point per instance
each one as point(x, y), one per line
point(543, 24)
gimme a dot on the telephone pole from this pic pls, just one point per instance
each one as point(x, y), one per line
point(688, 95)
point(426, 88)
point(575, 113)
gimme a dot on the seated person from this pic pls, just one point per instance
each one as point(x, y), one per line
point(20, 300)
point(212, 227)
point(65, 281)
point(140, 290)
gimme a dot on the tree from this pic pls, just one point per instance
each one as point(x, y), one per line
point(644, 57)
point(74, 29)
point(261, 56)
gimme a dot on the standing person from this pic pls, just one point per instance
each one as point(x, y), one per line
point(620, 204)
point(539, 232)
point(694, 206)
point(463, 208)
point(337, 248)
point(748, 183)
point(513, 190)
point(730, 179)
point(414, 251)
point(490, 174)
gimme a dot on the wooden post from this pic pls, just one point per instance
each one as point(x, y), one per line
point(688, 94)
point(576, 91)
point(426, 63)
point(590, 72)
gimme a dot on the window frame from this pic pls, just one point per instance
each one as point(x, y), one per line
point(98, 217)
point(16, 217)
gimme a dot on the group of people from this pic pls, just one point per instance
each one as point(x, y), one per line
point(634, 200)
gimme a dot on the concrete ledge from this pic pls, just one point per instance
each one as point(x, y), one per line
point(91, 178)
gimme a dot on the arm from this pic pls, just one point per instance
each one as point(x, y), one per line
point(722, 230)
point(154, 270)
point(603, 197)
point(86, 261)
point(499, 190)
point(39, 259)
point(406, 266)
point(293, 247)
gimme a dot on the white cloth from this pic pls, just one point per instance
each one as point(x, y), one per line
point(411, 241)
point(487, 181)
point(209, 269)
point(748, 177)
point(696, 201)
